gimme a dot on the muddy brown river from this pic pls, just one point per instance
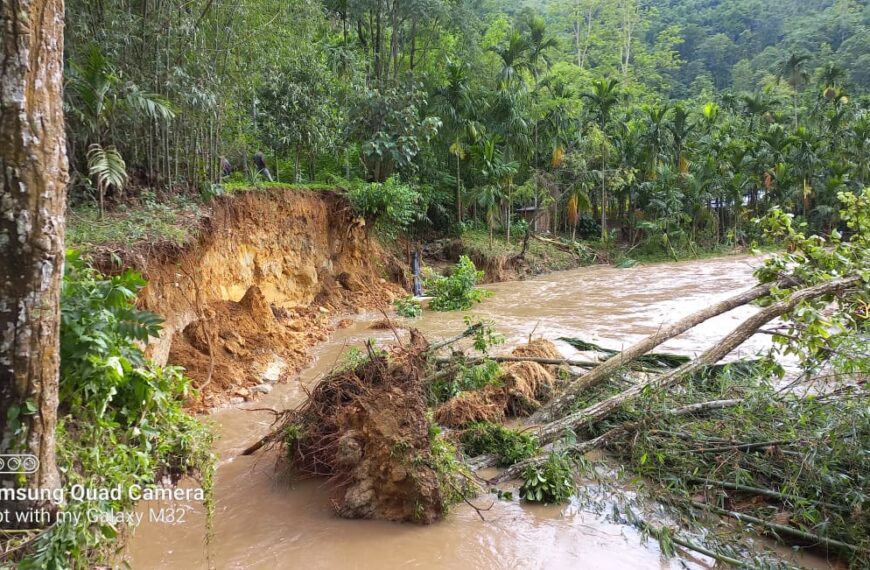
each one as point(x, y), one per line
point(264, 521)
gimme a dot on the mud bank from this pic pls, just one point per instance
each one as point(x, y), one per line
point(266, 278)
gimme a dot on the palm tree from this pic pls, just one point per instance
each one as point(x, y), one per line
point(457, 105)
point(831, 76)
point(539, 44)
point(681, 128)
point(496, 173)
point(795, 73)
point(755, 105)
point(603, 98)
point(655, 136)
point(514, 60)
point(509, 116)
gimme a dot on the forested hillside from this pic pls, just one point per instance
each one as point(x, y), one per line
point(728, 45)
point(671, 123)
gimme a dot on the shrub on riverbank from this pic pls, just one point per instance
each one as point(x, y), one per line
point(456, 292)
point(123, 422)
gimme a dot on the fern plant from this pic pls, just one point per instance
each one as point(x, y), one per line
point(107, 168)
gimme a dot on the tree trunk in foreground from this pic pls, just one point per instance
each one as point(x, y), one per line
point(596, 412)
point(614, 363)
point(33, 177)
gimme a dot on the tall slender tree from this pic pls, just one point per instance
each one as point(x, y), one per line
point(603, 98)
point(33, 164)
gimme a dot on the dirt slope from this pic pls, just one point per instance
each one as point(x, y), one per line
point(270, 272)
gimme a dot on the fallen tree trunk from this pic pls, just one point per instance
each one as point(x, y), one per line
point(611, 365)
point(552, 431)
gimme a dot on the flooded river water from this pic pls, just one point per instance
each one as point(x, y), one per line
point(263, 521)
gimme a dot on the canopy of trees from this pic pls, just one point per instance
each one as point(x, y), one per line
point(670, 121)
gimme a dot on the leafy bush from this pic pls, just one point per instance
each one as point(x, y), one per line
point(124, 421)
point(588, 228)
point(466, 379)
point(509, 445)
point(485, 335)
point(390, 207)
point(457, 292)
point(552, 482)
point(408, 307)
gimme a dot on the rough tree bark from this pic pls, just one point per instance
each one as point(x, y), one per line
point(33, 177)
point(611, 365)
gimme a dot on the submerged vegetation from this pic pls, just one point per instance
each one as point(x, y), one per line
point(508, 445)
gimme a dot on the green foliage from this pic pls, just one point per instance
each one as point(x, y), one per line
point(356, 356)
point(485, 335)
point(456, 292)
point(408, 307)
point(448, 469)
point(818, 329)
point(152, 221)
point(299, 112)
point(588, 227)
point(390, 206)
point(465, 379)
point(817, 464)
point(549, 483)
point(107, 167)
point(123, 421)
point(510, 446)
point(102, 366)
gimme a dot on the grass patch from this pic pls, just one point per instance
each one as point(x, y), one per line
point(508, 445)
point(173, 220)
point(244, 186)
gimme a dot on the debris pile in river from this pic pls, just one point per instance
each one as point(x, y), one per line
point(367, 428)
point(523, 387)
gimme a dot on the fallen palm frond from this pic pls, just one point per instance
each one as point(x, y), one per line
point(652, 360)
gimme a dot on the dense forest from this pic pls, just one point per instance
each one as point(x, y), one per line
point(672, 123)
point(196, 193)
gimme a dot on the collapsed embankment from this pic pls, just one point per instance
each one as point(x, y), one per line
point(261, 283)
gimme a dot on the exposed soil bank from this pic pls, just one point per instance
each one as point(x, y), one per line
point(260, 285)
